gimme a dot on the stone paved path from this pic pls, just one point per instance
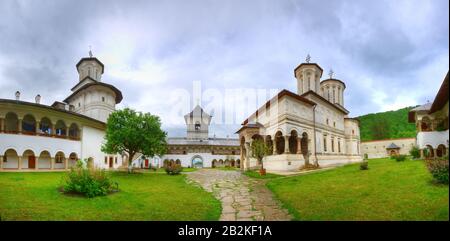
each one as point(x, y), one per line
point(242, 198)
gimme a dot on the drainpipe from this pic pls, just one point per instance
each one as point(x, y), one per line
point(314, 134)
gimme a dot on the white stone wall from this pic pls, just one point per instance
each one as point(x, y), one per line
point(38, 144)
point(377, 149)
point(432, 138)
point(96, 102)
point(91, 148)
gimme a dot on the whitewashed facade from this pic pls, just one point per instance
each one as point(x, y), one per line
point(432, 124)
point(310, 125)
point(37, 137)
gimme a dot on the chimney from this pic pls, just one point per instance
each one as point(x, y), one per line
point(17, 95)
point(38, 99)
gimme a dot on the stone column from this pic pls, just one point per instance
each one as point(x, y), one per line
point(274, 145)
point(299, 145)
point(38, 123)
point(52, 163)
point(19, 158)
point(286, 144)
point(1, 124)
point(421, 154)
point(67, 132)
point(66, 163)
point(1, 162)
point(247, 157)
point(53, 130)
point(19, 127)
point(36, 163)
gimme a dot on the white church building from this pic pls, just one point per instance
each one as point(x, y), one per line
point(38, 137)
point(311, 124)
point(197, 149)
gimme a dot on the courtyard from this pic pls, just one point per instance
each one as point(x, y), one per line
point(389, 190)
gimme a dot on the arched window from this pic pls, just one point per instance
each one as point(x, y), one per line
point(45, 126)
point(11, 123)
point(59, 157)
point(60, 128)
point(74, 131)
point(197, 126)
point(29, 124)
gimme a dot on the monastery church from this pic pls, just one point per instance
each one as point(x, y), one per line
point(311, 125)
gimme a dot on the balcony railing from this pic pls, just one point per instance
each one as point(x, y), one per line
point(32, 133)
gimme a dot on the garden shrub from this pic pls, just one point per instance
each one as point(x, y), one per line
point(364, 165)
point(90, 182)
point(399, 158)
point(415, 152)
point(438, 169)
point(173, 169)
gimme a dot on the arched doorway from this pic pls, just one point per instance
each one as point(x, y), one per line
point(60, 160)
point(428, 152)
point(214, 163)
point(45, 160)
point(73, 158)
point(440, 151)
point(197, 162)
point(10, 159)
point(28, 159)
point(279, 143)
point(293, 142)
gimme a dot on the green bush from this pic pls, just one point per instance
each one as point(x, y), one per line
point(415, 152)
point(173, 169)
point(399, 158)
point(90, 182)
point(364, 165)
point(439, 169)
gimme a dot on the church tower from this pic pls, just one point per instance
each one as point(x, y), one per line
point(90, 96)
point(90, 67)
point(308, 77)
point(197, 123)
point(332, 89)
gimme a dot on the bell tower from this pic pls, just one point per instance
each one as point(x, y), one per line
point(90, 67)
point(197, 123)
point(308, 76)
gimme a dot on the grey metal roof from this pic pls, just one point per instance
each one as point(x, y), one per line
point(209, 141)
point(425, 107)
point(392, 146)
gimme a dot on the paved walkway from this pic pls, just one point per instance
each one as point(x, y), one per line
point(242, 198)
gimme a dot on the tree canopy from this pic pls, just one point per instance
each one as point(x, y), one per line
point(134, 132)
point(386, 125)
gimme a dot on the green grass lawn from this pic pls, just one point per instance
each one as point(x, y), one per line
point(34, 196)
point(255, 174)
point(389, 190)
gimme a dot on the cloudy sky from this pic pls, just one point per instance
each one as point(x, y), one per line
point(391, 54)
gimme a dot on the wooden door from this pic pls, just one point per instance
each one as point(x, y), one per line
point(31, 162)
point(111, 162)
point(146, 162)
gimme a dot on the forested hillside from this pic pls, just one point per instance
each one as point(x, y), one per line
point(386, 125)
